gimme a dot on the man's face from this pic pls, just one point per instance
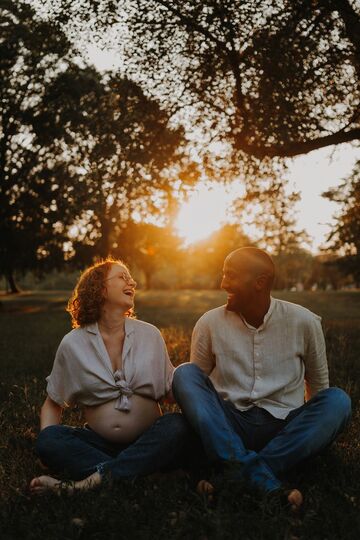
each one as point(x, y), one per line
point(239, 283)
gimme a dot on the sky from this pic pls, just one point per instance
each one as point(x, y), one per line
point(311, 174)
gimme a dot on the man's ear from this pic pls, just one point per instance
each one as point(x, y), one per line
point(261, 282)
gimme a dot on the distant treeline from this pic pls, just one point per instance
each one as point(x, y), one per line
point(158, 260)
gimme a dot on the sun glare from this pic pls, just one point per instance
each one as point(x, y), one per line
point(204, 212)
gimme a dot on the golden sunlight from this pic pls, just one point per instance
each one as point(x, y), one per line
point(203, 212)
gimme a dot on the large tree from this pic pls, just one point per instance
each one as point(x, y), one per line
point(275, 77)
point(281, 78)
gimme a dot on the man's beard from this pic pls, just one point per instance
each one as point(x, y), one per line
point(233, 304)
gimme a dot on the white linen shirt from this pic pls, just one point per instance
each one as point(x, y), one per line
point(270, 366)
point(82, 372)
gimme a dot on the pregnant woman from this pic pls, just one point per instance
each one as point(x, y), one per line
point(117, 369)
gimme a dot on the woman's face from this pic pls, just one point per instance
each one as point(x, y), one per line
point(119, 288)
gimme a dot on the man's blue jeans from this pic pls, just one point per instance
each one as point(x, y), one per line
point(261, 447)
point(79, 452)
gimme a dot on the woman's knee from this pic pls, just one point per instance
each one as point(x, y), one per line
point(48, 439)
point(175, 423)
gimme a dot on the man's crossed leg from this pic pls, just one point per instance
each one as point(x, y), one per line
point(261, 447)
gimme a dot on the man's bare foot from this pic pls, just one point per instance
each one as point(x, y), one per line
point(295, 499)
point(42, 484)
point(294, 496)
point(204, 487)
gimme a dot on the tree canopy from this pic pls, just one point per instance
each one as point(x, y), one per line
point(277, 78)
point(280, 78)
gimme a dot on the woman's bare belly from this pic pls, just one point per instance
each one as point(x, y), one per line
point(122, 426)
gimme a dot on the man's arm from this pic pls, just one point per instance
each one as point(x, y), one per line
point(316, 367)
point(201, 352)
point(50, 414)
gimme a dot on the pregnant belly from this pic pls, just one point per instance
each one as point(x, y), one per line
point(123, 427)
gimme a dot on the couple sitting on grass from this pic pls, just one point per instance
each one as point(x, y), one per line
point(255, 396)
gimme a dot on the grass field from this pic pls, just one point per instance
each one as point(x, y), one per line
point(31, 326)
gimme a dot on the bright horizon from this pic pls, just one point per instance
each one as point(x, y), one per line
point(208, 207)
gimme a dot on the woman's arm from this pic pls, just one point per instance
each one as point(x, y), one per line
point(50, 414)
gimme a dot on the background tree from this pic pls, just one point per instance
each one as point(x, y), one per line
point(133, 157)
point(203, 262)
point(77, 153)
point(325, 273)
point(294, 269)
point(345, 236)
point(34, 170)
point(149, 248)
point(270, 211)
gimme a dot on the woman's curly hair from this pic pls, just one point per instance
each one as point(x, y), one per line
point(88, 297)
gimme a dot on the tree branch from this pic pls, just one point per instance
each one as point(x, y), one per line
point(296, 148)
point(192, 24)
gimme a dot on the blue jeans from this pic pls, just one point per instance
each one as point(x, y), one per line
point(261, 447)
point(79, 452)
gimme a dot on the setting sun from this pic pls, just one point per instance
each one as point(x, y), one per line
point(204, 212)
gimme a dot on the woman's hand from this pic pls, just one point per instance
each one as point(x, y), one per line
point(168, 399)
point(50, 413)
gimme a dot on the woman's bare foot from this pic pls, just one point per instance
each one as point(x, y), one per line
point(42, 484)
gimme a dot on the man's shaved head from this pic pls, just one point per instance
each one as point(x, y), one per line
point(254, 260)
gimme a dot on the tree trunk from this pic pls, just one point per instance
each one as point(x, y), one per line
point(104, 242)
point(12, 288)
point(148, 279)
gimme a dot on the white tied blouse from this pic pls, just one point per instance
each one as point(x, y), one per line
point(82, 372)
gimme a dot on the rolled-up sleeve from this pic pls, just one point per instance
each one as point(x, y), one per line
point(60, 383)
point(168, 367)
point(201, 352)
point(315, 361)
